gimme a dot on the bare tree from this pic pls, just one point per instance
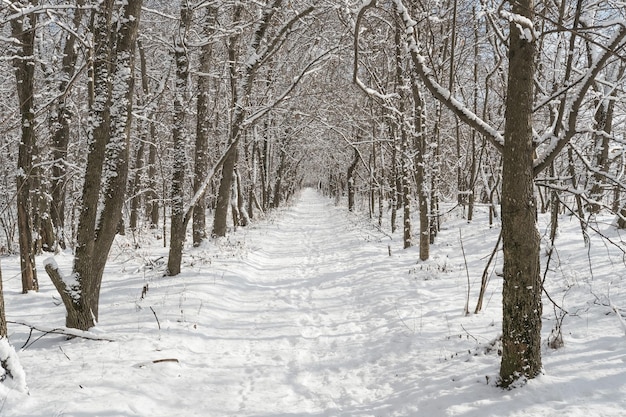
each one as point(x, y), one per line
point(522, 289)
point(114, 30)
point(262, 47)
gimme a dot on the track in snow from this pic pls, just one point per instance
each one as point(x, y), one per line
point(322, 318)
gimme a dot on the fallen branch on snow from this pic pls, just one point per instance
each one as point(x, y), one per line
point(70, 333)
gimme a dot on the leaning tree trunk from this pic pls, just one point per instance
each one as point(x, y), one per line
point(23, 29)
point(522, 307)
point(106, 172)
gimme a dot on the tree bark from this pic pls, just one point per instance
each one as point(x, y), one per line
point(420, 170)
point(522, 306)
point(106, 173)
point(23, 29)
point(179, 138)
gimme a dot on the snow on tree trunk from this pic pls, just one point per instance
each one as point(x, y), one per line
point(522, 288)
point(106, 173)
point(179, 138)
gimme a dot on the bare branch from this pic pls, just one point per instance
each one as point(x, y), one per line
point(559, 142)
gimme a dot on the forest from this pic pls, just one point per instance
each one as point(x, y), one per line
point(170, 127)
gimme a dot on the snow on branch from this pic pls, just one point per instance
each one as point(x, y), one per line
point(250, 120)
point(68, 287)
point(585, 82)
point(259, 55)
point(438, 91)
point(525, 25)
point(39, 9)
point(360, 12)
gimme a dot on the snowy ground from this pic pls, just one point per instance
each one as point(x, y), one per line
point(307, 314)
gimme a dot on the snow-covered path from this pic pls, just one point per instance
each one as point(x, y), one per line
point(316, 342)
point(298, 316)
point(306, 314)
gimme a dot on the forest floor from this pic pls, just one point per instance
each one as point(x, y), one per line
point(313, 311)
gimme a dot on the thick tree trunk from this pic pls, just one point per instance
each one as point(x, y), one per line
point(522, 307)
point(106, 173)
point(23, 29)
point(420, 170)
point(244, 217)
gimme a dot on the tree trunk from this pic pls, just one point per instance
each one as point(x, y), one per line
point(420, 170)
point(135, 185)
point(522, 307)
point(278, 185)
point(603, 119)
point(152, 206)
point(244, 218)
point(3, 317)
point(351, 180)
point(60, 125)
point(395, 175)
point(106, 173)
point(406, 190)
point(202, 127)
point(220, 218)
point(23, 29)
point(179, 139)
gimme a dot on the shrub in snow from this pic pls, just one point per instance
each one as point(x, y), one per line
point(12, 374)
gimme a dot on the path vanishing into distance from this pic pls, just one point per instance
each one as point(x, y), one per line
point(311, 311)
point(320, 317)
point(308, 312)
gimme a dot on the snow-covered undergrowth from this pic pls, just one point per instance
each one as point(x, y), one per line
point(314, 312)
